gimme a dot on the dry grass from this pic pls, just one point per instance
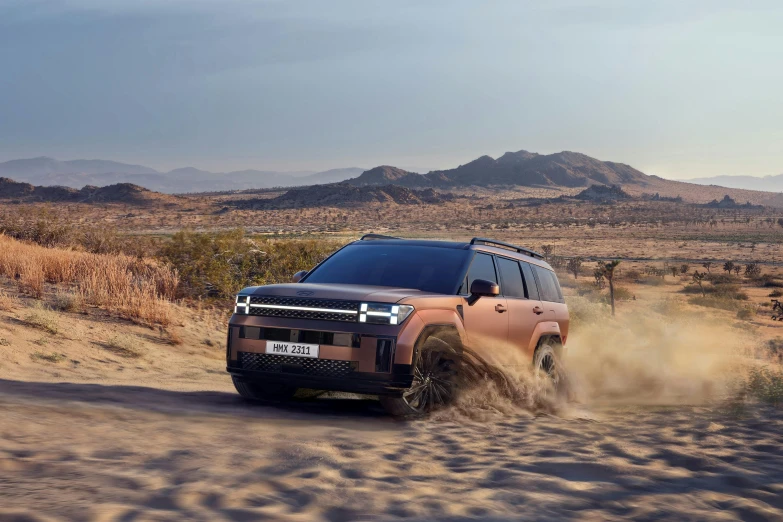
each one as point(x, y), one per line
point(42, 318)
point(67, 301)
point(125, 346)
point(7, 303)
point(52, 357)
point(135, 289)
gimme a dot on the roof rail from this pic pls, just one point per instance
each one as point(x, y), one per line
point(492, 242)
point(365, 237)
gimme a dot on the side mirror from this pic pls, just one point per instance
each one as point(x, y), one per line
point(299, 276)
point(482, 288)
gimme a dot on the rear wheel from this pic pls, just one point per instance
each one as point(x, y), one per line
point(254, 391)
point(547, 366)
point(434, 381)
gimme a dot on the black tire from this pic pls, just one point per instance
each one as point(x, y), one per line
point(548, 365)
point(253, 391)
point(434, 381)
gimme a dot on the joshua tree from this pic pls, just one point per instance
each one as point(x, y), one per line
point(547, 250)
point(675, 271)
point(607, 270)
point(728, 266)
point(752, 270)
point(574, 265)
point(684, 268)
point(707, 265)
point(737, 269)
point(698, 278)
point(600, 282)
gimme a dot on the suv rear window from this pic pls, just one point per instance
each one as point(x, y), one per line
point(548, 285)
point(426, 268)
point(513, 285)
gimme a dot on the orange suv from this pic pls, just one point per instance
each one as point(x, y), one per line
point(390, 317)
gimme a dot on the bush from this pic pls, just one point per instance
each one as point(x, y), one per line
point(43, 319)
point(766, 385)
point(720, 302)
point(775, 293)
point(67, 301)
point(125, 346)
point(222, 263)
point(746, 313)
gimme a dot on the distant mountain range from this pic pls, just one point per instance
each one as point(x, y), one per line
point(126, 193)
point(521, 168)
point(80, 173)
point(765, 183)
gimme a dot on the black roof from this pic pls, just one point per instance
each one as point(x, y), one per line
point(480, 241)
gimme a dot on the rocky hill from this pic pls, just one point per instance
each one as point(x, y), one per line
point(521, 168)
point(118, 193)
point(344, 194)
point(603, 193)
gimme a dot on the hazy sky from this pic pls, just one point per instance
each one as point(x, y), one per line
point(675, 88)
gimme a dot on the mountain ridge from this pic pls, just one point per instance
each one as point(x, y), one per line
point(46, 171)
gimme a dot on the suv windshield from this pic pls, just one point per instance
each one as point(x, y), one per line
point(430, 269)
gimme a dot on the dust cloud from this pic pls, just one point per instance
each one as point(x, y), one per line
point(658, 356)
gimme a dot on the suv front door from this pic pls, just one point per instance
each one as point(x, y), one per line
point(524, 307)
point(486, 320)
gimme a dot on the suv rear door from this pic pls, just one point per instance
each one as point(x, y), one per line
point(486, 320)
point(525, 310)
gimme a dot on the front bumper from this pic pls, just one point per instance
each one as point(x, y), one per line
point(353, 357)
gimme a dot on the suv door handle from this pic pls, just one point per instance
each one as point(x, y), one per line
point(538, 310)
point(500, 308)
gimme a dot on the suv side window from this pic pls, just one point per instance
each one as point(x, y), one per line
point(512, 285)
point(550, 289)
point(482, 267)
point(530, 281)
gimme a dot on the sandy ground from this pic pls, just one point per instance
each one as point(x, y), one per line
point(103, 452)
point(95, 436)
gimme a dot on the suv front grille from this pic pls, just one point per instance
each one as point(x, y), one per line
point(303, 308)
point(264, 362)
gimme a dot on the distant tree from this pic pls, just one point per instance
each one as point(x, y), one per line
point(684, 268)
point(574, 265)
point(752, 270)
point(780, 222)
point(547, 250)
point(728, 266)
point(707, 265)
point(737, 269)
point(607, 269)
point(600, 282)
point(698, 278)
point(674, 270)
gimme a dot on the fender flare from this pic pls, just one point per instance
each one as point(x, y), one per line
point(545, 330)
point(430, 324)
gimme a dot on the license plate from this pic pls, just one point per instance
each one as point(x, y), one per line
point(292, 349)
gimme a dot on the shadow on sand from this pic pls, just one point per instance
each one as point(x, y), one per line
point(190, 402)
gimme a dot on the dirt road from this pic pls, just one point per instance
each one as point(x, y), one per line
point(118, 452)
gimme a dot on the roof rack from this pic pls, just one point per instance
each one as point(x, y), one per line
point(365, 237)
point(492, 242)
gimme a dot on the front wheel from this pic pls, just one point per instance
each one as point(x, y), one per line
point(253, 391)
point(434, 381)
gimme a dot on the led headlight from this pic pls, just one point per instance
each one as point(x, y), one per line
point(242, 304)
point(384, 313)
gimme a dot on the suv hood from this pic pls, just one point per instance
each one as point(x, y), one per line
point(382, 294)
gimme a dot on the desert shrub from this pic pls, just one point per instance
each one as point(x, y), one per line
point(6, 301)
point(766, 384)
point(724, 291)
point(68, 301)
point(768, 281)
point(623, 294)
point(774, 349)
point(42, 318)
point(720, 279)
point(651, 280)
point(582, 310)
point(41, 225)
point(125, 346)
point(221, 263)
point(775, 293)
point(51, 357)
point(715, 301)
point(746, 313)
